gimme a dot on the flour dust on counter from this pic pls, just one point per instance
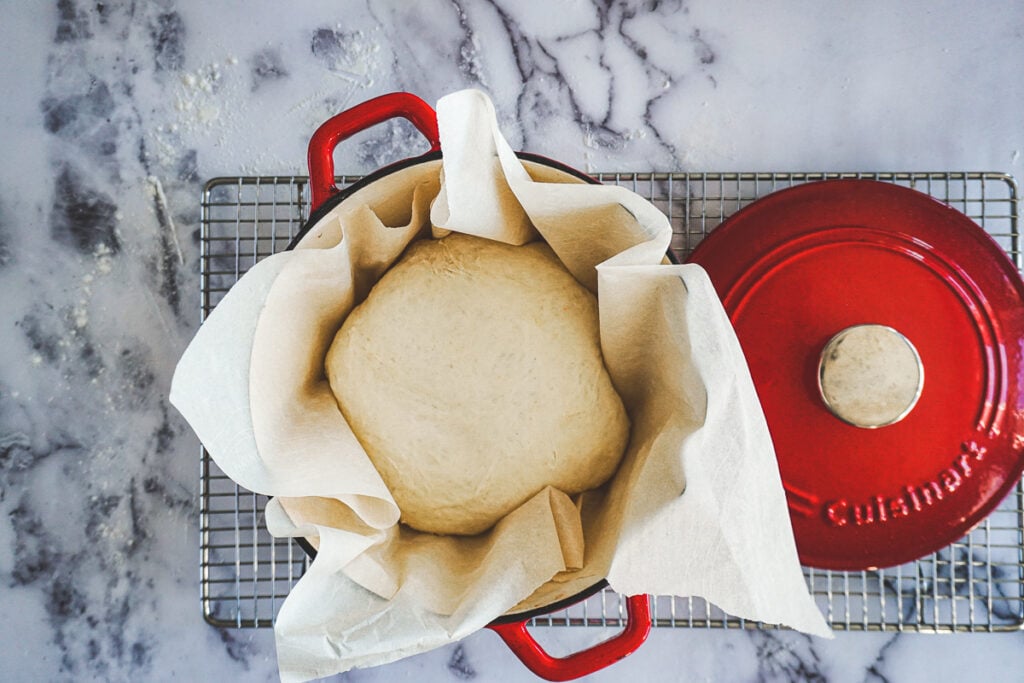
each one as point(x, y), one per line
point(98, 503)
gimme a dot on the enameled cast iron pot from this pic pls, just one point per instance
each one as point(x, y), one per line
point(325, 198)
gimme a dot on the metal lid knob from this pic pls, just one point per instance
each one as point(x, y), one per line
point(870, 376)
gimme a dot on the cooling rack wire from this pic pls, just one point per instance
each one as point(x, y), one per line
point(975, 584)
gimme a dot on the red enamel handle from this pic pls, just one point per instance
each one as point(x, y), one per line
point(522, 644)
point(357, 119)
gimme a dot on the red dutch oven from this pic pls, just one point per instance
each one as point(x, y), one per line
point(325, 198)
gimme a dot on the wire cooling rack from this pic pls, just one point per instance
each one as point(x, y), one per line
point(975, 584)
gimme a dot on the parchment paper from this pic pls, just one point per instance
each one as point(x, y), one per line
point(696, 508)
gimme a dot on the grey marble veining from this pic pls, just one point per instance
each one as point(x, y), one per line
point(114, 114)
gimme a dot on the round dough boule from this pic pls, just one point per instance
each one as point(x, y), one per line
point(472, 375)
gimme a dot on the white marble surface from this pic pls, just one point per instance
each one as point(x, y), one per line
point(103, 101)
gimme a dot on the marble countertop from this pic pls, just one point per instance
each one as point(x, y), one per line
point(114, 115)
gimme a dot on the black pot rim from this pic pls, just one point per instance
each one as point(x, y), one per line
point(593, 589)
point(319, 212)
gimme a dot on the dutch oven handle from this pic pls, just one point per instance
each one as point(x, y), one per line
point(357, 119)
point(530, 653)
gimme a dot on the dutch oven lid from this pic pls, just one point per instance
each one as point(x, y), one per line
point(884, 334)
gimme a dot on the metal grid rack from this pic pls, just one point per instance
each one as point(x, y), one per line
point(975, 584)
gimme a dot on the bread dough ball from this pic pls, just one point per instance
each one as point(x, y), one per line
point(472, 375)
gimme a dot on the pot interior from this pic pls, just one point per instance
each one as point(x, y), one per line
point(390, 194)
